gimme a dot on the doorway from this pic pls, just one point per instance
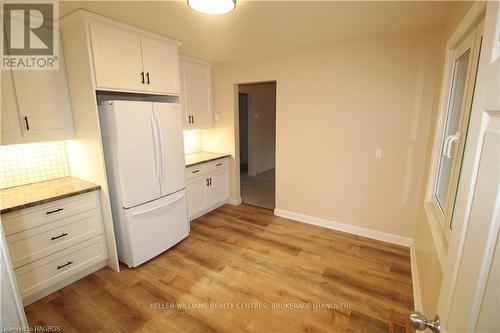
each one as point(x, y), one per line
point(257, 137)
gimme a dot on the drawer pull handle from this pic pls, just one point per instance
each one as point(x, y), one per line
point(66, 264)
point(195, 171)
point(218, 164)
point(54, 211)
point(61, 235)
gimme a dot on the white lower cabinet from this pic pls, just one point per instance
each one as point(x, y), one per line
point(55, 244)
point(207, 187)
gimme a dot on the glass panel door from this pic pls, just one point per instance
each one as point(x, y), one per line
point(452, 130)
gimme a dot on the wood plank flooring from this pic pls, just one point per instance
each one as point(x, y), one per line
point(242, 269)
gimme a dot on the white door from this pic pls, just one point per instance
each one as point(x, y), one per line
point(44, 103)
point(138, 161)
point(469, 295)
point(12, 315)
point(196, 94)
point(155, 227)
point(161, 67)
point(117, 58)
point(197, 195)
point(218, 190)
point(171, 147)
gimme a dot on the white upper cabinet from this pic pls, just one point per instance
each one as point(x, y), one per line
point(117, 58)
point(161, 67)
point(126, 60)
point(196, 93)
point(11, 121)
point(36, 105)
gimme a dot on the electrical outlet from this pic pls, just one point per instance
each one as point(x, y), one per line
point(378, 154)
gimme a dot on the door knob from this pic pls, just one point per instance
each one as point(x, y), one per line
point(419, 322)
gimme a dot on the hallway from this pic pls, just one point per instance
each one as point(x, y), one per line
point(259, 190)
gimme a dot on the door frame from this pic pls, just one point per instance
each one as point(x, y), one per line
point(441, 241)
point(470, 167)
point(249, 138)
point(237, 136)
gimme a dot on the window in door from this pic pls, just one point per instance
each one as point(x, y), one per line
point(453, 129)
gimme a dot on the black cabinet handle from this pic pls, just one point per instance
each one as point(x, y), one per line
point(54, 211)
point(208, 182)
point(66, 264)
point(195, 171)
point(142, 77)
point(61, 235)
point(27, 123)
point(218, 164)
point(210, 179)
point(192, 119)
point(147, 78)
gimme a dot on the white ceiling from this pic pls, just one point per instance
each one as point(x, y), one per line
point(260, 28)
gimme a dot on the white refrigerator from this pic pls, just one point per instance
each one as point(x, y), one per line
point(144, 153)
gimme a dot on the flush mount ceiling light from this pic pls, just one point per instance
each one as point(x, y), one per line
point(212, 6)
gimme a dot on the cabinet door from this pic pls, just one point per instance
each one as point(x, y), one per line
point(196, 94)
point(117, 58)
point(44, 103)
point(11, 121)
point(196, 196)
point(218, 190)
point(161, 67)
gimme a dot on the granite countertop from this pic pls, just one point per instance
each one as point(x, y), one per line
point(24, 196)
point(202, 157)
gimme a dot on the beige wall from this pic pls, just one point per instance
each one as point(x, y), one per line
point(335, 105)
point(262, 125)
point(429, 267)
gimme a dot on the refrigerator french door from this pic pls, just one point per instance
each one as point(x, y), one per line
point(144, 153)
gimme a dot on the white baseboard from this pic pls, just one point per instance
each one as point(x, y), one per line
point(365, 232)
point(417, 296)
point(234, 202)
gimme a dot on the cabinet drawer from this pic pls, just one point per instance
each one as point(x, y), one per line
point(36, 243)
point(195, 171)
point(216, 165)
point(48, 213)
point(55, 268)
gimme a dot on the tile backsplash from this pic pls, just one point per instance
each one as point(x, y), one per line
point(192, 141)
point(32, 162)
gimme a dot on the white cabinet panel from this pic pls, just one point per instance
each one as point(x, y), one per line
point(161, 67)
point(196, 196)
point(207, 186)
point(11, 119)
point(218, 191)
point(196, 94)
point(117, 58)
point(53, 269)
point(36, 105)
point(44, 103)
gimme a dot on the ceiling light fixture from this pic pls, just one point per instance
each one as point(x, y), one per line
point(212, 6)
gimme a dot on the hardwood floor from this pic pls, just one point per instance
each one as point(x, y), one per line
point(243, 269)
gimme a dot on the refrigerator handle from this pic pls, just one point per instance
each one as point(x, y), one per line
point(162, 158)
point(155, 147)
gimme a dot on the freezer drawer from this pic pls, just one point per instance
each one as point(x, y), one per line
point(155, 227)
